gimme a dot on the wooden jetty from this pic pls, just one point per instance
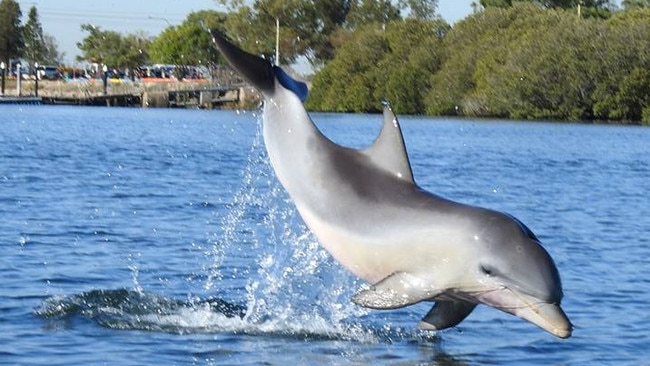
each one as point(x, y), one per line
point(109, 100)
point(20, 100)
point(208, 98)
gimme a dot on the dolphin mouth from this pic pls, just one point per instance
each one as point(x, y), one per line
point(546, 315)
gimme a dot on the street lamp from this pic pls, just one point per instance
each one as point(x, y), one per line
point(18, 78)
point(36, 79)
point(3, 67)
point(105, 78)
point(277, 35)
point(277, 41)
point(580, 4)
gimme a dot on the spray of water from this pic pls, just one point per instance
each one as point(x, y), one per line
point(266, 275)
point(290, 284)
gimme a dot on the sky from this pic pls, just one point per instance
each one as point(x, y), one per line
point(63, 18)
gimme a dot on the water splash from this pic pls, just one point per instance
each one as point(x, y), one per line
point(266, 274)
point(125, 309)
point(289, 283)
point(133, 309)
point(234, 233)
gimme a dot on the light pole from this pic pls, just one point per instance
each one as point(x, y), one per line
point(580, 9)
point(3, 67)
point(18, 79)
point(36, 79)
point(277, 41)
point(105, 78)
point(277, 34)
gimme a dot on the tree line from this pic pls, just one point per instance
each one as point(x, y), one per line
point(27, 41)
point(526, 59)
point(519, 60)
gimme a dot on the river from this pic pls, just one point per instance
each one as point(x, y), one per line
point(161, 236)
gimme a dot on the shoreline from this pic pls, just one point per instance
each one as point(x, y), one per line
point(150, 92)
point(171, 93)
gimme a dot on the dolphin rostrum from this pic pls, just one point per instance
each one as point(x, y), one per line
point(411, 245)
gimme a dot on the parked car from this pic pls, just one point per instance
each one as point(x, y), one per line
point(25, 72)
point(49, 73)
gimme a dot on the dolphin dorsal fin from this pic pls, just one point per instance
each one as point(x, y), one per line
point(388, 151)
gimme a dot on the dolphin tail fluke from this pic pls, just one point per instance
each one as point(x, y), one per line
point(257, 70)
point(254, 69)
point(446, 314)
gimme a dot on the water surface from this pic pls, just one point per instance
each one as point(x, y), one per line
point(144, 236)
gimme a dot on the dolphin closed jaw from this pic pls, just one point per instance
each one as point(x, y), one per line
point(548, 316)
point(411, 245)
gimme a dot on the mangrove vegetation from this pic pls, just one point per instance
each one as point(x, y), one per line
point(521, 61)
point(528, 59)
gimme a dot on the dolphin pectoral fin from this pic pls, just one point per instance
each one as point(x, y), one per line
point(388, 151)
point(446, 314)
point(395, 291)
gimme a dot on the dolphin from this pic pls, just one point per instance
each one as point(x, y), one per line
point(411, 245)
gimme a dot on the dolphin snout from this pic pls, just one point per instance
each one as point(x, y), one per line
point(548, 316)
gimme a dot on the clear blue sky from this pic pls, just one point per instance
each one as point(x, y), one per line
point(63, 18)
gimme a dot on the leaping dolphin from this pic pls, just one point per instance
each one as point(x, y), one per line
point(411, 245)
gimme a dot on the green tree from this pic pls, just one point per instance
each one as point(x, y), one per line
point(313, 28)
point(11, 35)
point(112, 48)
point(394, 64)
point(421, 9)
point(52, 56)
point(553, 4)
point(466, 44)
point(134, 50)
point(624, 58)
point(99, 46)
point(497, 64)
point(371, 11)
point(496, 3)
point(323, 32)
point(34, 40)
point(635, 4)
point(188, 43)
point(304, 27)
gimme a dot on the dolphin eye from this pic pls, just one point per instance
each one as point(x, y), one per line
point(487, 270)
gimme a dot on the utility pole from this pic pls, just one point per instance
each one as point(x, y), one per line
point(3, 68)
point(277, 41)
point(36, 75)
point(579, 9)
point(18, 79)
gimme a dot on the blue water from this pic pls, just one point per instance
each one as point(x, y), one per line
point(157, 236)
